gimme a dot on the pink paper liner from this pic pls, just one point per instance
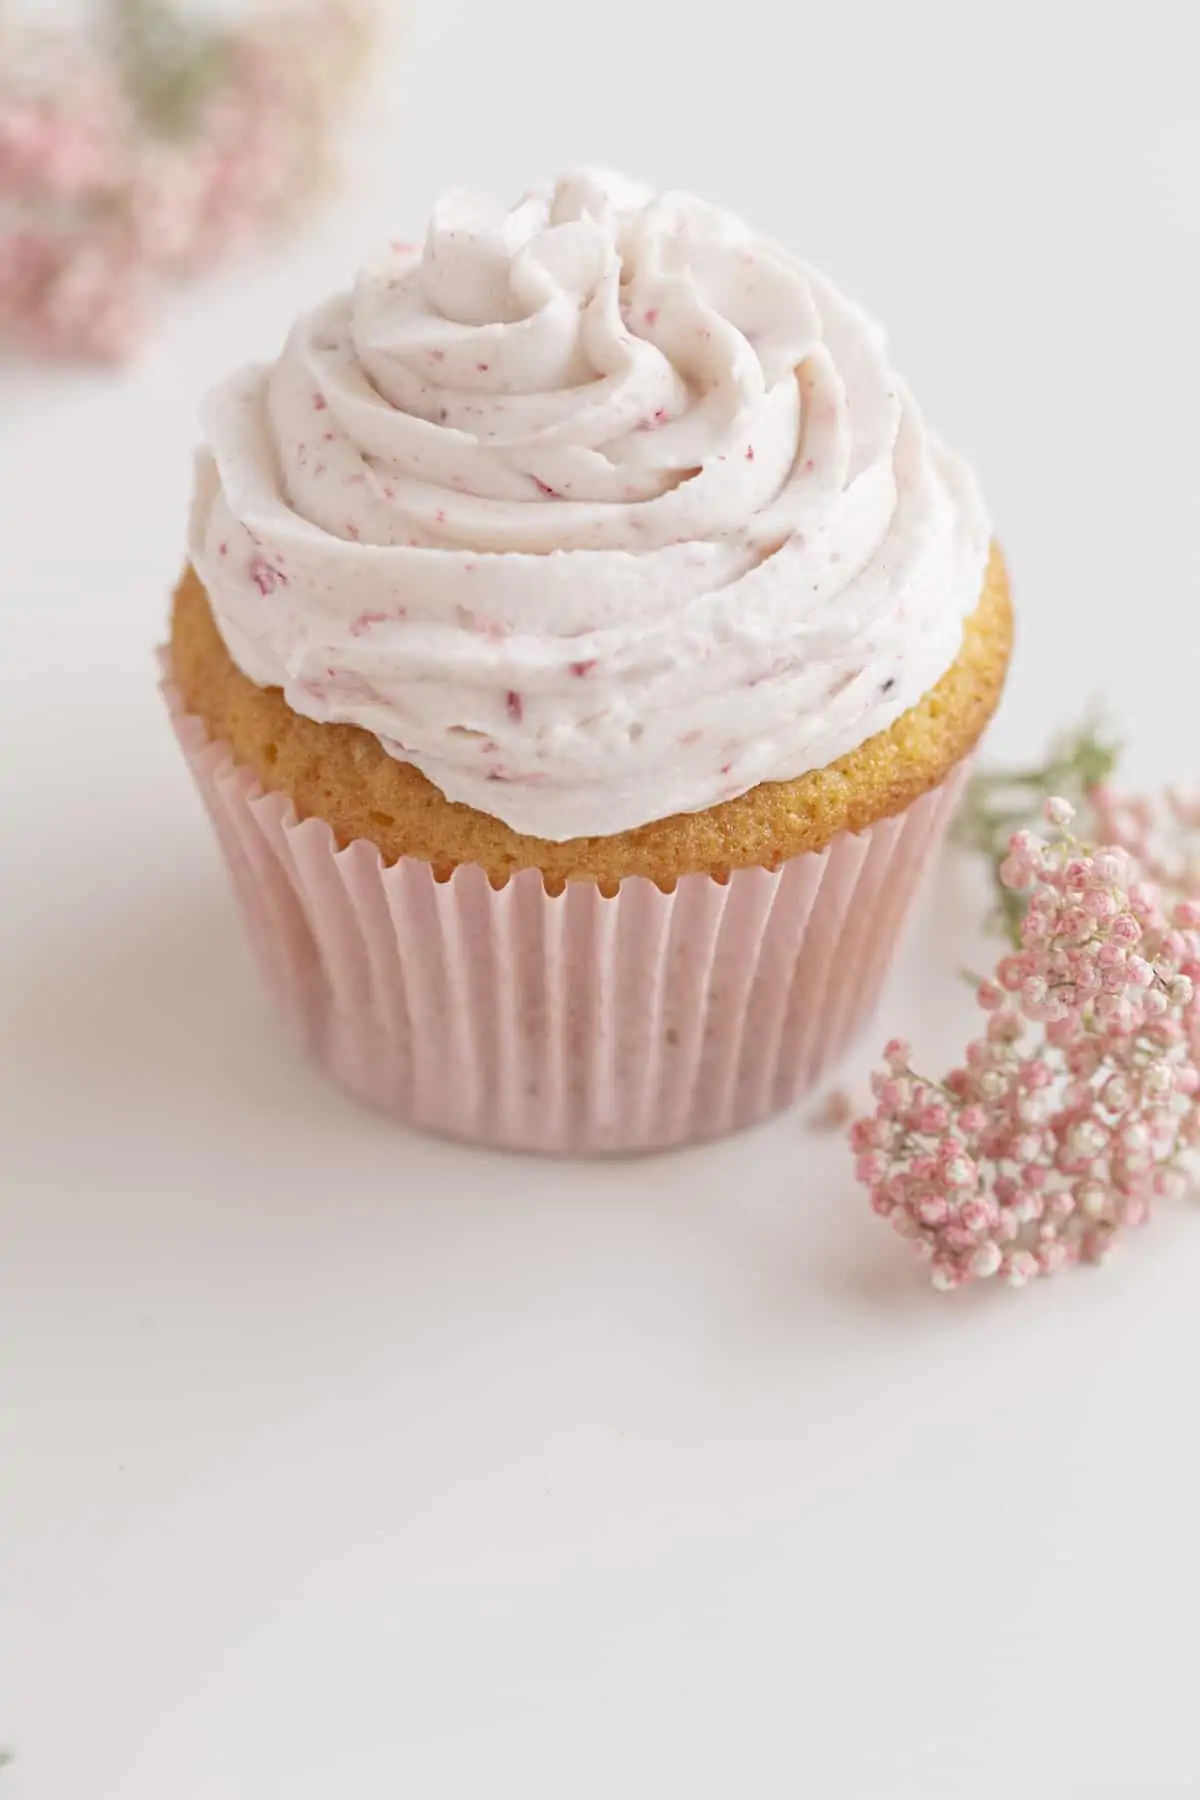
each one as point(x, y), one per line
point(570, 1024)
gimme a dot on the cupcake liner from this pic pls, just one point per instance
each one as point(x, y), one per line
point(571, 1024)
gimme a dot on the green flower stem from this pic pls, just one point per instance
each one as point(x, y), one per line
point(169, 66)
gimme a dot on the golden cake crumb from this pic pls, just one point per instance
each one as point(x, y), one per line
point(343, 775)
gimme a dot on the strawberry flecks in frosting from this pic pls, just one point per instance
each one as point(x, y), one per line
point(265, 577)
point(609, 434)
point(359, 627)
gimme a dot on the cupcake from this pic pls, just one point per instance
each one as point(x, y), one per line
point(581, 646)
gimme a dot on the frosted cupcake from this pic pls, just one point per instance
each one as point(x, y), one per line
point(581, 644)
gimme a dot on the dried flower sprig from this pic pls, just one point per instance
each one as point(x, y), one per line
point(1075, 1108)
point(133, 158)
point(1001, 801)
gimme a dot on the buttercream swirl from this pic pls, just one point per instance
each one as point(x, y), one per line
point(596, 511)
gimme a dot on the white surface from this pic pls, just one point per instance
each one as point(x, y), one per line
point(336, 1465)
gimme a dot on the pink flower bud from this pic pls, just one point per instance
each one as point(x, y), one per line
point(1011, 972)
point(978, 1215)
point(1020, 1266)
point(1087, 1139)
point(933, 1119)
point(1116, 1093)
point(1052, 1257)
point(1083, 1058)
point(1110, 866)
point(1092, 1199)
point(985, 1261)
point(1015, 872)
point(1116, 1013)
point(1036, 927)
point(1058, 811)
point(1173, 947)
point(1157, 1081)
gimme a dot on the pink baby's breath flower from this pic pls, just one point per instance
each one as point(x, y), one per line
point(1067, 1119)
point(118, 183)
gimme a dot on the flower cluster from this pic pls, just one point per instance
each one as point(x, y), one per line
point(1076, 1105)
point(1161, 833)
point(131, 160)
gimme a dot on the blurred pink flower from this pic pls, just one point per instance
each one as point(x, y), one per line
point(108, 204)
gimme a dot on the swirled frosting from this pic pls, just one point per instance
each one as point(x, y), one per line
point(596, 511)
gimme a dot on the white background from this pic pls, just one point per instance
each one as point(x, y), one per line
point(337, 1465)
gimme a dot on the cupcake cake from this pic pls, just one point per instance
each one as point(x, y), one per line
point(581, 644)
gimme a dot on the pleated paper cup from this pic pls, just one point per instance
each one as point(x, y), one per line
point(573, 1024)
